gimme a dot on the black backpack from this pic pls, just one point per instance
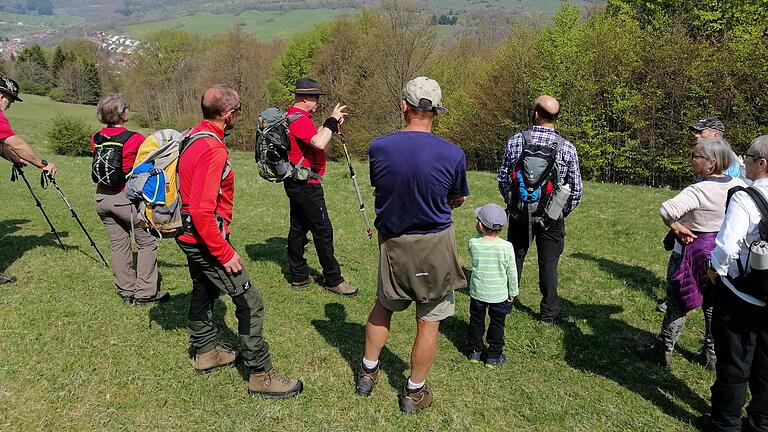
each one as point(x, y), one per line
point(107, 165)
point(534, 178)
point(272, 145)
point(753, 277)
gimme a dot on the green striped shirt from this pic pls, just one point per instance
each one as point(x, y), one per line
point(494, 274)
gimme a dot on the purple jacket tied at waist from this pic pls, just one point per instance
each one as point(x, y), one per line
point(691, 276)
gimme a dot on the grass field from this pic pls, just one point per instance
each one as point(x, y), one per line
point(74, 358)
point(266, 25)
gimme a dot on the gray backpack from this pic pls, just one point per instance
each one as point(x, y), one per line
point(272, 146)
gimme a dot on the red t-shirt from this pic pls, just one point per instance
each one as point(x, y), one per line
point(5, 127)
point(300, 132)
point(204, 194)
point(130, 149)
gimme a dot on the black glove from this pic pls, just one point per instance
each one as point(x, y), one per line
point(331, 123)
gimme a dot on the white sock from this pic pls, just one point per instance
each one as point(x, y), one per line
point(413, 386)
point(370, 364)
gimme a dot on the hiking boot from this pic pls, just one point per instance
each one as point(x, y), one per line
point(273, 385)
point(159, 297)
point(344, 288)
point(662, 307)
point(492, 363)
point(412, 401)
point(299, 285)
point(219, 356)
point(552, 321)
point(706, 359)
point(655, 353)
point(7, 279)
point(476, 357)
point(366, 380)
point(129, 300)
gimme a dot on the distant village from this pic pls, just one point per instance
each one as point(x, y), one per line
point(120, 46)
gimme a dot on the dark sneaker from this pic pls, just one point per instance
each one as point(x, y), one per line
point(344, 288)
point(219, 356)
point(367, 380)
point(706, 359)
point(126, 299)
point(412, 401)
point(476, 357)
point(493, 363)
point(273, 385)
point(655, 353)
point(7, 279)
point(159, 297)
point(299, 285)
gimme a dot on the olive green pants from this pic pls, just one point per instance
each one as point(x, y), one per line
point(209, 280)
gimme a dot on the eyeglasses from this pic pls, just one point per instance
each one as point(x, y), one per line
point(126, 108)
point(697, 156)
point(238, 109)
point(751, 156)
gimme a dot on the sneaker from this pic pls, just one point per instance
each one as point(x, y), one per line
point(273, 385)
point(476, 357)
point(493, 363)
point(299, 285)
point(655, 353)
point(706, 359)
point(344, 288)
point(367, 380)
point(219, 356)
point(412, 401)
point(159, 297)
point(7, 279)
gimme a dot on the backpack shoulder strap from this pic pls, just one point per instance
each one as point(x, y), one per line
point(293, 117)
point(191, 139)
point(526, 139)
point(759, 200)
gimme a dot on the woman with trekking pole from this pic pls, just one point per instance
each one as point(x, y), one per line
point(114, 152)
point(693, 216)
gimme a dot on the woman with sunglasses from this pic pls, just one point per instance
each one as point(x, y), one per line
point(114, 151)
point(694, 216)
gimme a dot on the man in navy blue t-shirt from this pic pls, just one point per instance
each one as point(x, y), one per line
point(418, 178)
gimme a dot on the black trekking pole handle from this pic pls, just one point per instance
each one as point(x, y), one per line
point(17, 172)
point(44, 179)
point(352, 174)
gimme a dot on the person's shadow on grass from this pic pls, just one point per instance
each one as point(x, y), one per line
point(349, 339)
point(637, 278)
point(13, 247)
point(607, 351)
point(275, 249)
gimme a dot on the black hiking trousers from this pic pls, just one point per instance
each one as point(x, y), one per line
point(310, 214)
point(741, 344)
point(550, 242)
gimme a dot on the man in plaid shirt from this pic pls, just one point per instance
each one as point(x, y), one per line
point(550, 238)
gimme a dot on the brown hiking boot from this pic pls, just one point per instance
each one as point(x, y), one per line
point(655, 353)
point(219, 356)
point(299, 285)
point(366, 380)
point(412, 401)
point(273, 385)
point(344, 288)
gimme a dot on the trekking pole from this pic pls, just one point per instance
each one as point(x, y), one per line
point(44, 184)
point(354, 183)
point(15, 173)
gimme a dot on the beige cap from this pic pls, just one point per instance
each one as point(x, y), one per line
point(420, 88)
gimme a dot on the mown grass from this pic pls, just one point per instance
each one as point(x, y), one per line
point(75, 358)
point(265, 25)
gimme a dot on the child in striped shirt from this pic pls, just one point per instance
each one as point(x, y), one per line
point(493, 285)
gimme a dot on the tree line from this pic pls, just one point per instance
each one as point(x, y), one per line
point(630, 77)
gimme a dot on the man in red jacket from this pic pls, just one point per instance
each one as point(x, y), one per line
point(207, 186)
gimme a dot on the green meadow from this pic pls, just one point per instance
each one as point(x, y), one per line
point(74, 358)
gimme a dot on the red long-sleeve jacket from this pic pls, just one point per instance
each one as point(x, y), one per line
point(204, 194)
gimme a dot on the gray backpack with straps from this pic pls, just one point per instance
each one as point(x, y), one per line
point(272, 146)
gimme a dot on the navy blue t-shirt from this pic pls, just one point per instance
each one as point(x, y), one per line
point(414, 173)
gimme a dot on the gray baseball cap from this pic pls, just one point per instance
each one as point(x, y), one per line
point(425, 94)
point(708, 123)
point(492, 216)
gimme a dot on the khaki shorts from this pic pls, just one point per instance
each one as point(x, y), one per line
point(436, 310)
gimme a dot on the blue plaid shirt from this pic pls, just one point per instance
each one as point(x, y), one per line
point(567, 163)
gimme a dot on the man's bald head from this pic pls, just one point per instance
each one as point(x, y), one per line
point(218, 100)
point(547, 107)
